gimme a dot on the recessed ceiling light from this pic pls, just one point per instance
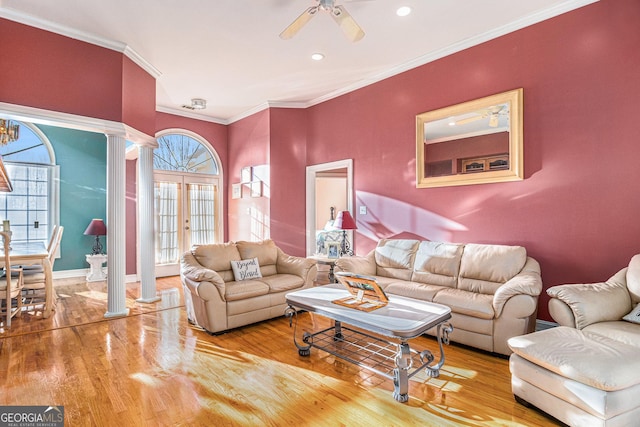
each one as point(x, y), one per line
point(317, 57)
point(403, 11)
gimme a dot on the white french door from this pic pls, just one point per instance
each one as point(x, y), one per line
point(186, 214)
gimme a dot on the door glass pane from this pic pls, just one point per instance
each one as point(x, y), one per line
point(202, 202)
point(167, 218)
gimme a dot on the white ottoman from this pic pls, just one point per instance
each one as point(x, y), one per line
point(578, 377)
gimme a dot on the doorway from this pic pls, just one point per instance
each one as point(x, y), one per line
point(185, 215)
point(320, 179)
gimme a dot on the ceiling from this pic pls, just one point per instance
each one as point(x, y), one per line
point(229, 53)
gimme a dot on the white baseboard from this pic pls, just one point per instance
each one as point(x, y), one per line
point(541, 325)
point(82, 273)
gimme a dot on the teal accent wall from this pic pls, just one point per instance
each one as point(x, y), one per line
point(82, 157)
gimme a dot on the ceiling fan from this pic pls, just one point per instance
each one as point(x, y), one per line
point(349, 26)
point(493, 113)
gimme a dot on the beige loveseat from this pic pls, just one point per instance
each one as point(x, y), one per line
point(586, 372)
point(492, 290)
point(217, 302)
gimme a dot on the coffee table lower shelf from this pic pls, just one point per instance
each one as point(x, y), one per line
point(396, 361)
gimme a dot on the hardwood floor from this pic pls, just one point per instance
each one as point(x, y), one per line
point(153, 368)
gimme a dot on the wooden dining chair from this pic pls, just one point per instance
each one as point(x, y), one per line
point(10, 285)
point(34, 289)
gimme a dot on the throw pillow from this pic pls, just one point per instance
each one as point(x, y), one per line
point(246, 269)
point(634, 315)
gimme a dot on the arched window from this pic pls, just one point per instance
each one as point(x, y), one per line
point(183, 153)
point(187, 197)
point(32, 208)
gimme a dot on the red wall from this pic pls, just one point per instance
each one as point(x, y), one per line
point(249, 217)
point(576, 210)
point(288, 173)
point(138, 97)
point(131, 209)
point(53, 72)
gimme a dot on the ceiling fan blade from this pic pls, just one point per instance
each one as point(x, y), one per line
point(468, 120)
point(299, 22)
point(349, 26)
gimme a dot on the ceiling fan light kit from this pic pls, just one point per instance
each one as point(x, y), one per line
point(345, 21)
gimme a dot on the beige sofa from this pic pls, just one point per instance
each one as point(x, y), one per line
point(492, 290)
point(586, 372)
point(217, 302)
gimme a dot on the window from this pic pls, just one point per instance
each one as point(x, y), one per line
point(32, 208)
point(187, 197)
point(182, 153)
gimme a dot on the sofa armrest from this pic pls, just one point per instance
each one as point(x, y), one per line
point(298, 266)
point(527, 282)
point(592, 302)
point(195, 273)
point(365, 265)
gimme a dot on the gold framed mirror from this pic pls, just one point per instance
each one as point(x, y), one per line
point(475, 142)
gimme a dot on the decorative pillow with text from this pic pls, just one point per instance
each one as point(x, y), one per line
point(246, 269)
point(634, 316)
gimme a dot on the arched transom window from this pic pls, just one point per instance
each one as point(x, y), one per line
point(182, 153)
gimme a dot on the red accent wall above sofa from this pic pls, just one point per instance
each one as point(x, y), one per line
point(575, 212)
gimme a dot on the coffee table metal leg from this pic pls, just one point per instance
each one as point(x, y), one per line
point(401, 373)
point(337, 330)
point(307, 338)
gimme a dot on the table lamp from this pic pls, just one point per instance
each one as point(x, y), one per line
point(96, 228)
point(344, 221)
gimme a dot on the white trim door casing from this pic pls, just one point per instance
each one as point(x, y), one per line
point(312, 171)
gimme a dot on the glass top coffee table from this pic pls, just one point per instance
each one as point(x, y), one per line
point(399, 321)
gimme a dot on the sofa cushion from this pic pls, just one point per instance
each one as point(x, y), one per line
point(246, 269)
point(235, 291)
point(589, 358)
point(484, 268)
point(617, 330)
point(437, 263)
point(633, 279)
point(394, 258)
point(217, 257)
point(266, 251)
point(283, 282)
point(421, 291)
point(464, 302)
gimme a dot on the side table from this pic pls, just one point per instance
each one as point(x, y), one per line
point(96, 273)
point(324, 260)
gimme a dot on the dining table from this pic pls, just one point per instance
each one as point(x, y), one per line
point(28, 253)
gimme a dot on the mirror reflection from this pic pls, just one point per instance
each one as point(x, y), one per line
point(471, 143)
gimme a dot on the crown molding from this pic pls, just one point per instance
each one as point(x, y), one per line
point(516, 25)
point(191, 115)
point(524, 22)
point(73, 33)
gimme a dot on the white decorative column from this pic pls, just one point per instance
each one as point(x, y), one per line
point(116, 222)
point(148, 291)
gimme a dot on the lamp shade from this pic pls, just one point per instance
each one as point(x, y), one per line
point(344, 221)
point(96, 228)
